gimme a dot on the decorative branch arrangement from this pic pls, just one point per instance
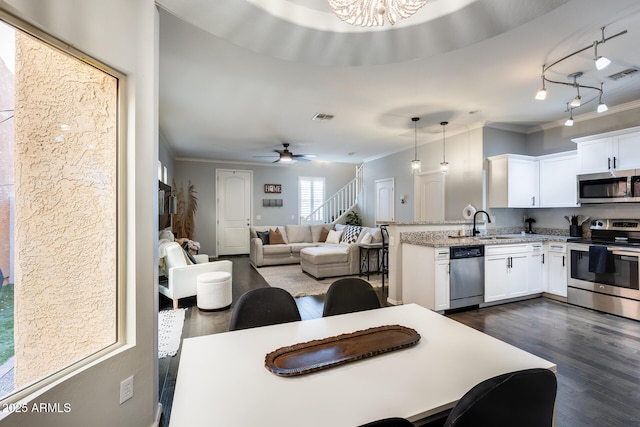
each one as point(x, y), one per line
point(183, 220)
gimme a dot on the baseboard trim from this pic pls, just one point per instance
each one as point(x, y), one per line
point(394, 302)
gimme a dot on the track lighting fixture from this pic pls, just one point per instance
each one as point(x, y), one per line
point(542, 93)
point(444, 166)
point(569, 121)
point(600, 63)
point(415, 163)
point(602, 107)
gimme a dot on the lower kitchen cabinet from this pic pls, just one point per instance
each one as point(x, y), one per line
point(425, 276)
point(556, 260)
point(512, 271)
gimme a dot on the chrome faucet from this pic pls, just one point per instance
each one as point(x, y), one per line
point(475, 230)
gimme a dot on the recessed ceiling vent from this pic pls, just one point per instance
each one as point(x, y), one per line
point(322, 116)
point(629, 72)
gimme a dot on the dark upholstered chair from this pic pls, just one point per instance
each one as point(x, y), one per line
point(262, 307)
point(389, 422)
point(522, 398)
point(349, 295)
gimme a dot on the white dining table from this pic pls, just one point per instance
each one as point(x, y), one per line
point(222, 379)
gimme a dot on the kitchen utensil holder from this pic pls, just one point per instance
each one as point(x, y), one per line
point(575, 231)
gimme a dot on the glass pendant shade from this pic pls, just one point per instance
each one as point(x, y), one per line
point(542, 94)
point(416, 165)
point(602, 107)
point(602, 62)
point(569, 122)
point(444, 167)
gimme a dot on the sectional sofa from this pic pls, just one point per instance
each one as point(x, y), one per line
point(304, 245)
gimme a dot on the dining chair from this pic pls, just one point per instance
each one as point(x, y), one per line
point(522, 398)
point(263, 307)
point(389, 422)
point(349, 295)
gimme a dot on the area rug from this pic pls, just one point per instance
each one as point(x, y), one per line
point(169, 332)
point(299, 284)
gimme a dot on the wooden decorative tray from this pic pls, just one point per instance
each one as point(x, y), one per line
point(321, 354)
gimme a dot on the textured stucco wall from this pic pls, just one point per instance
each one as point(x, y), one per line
point(65, 210)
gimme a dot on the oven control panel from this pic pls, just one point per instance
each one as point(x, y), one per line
point(616, 224)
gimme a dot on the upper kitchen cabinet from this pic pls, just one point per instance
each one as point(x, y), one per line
point(558, 186)
point(618, 150)
point(513, 181)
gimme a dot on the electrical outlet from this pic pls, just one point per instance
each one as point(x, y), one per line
point(126, 389)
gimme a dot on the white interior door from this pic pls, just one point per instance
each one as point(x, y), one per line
point(429, 196)
point(385, 206)
point(234, 211)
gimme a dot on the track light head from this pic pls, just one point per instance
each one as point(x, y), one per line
point(576, 102)
point(569, 122)
point(602, 107)
point(602, 62)
point(542, 94)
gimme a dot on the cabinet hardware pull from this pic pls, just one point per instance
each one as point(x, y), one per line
point(608, 162)
point(543, 258)
point(614, 162)
point(533, 201)
point(563, 260)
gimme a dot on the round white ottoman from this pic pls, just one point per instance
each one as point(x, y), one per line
point(214, 290)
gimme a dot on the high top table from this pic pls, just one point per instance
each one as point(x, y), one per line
point(222, 380)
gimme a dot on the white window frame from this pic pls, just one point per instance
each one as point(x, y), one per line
point(121, 207)
point(314, 202)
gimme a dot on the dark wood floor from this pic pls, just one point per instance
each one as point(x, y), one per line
point(598, 355)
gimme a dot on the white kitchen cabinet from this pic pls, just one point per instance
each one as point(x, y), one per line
point(506, 271)
point(425, 276)
point(535, 273)
point(558, 186)
point(513, 181)
point(618, 150)
point(556, 269)
point(512, 271)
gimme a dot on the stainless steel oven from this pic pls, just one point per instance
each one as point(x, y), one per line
point(615, 186)
point(614, 286)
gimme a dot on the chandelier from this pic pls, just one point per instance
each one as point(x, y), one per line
point(368, 13)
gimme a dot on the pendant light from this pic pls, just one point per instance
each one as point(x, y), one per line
point(444, 166)
point(415, 163)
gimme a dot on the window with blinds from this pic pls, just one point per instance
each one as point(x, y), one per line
point(311, 197)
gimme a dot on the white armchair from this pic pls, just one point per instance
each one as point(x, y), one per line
point(183, 275)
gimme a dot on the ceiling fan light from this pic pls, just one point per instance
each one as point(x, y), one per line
point(602, 107)
point(602, 62)
point(542, 94)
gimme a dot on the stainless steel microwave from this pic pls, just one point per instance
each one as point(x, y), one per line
point(609, 187)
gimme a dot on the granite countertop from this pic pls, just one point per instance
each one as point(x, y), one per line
point(454, 222)
point(423, 239)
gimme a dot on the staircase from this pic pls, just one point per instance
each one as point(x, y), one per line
point(338, 205)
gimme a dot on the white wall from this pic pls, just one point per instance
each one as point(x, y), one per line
point(122, 34)
point(463, 183)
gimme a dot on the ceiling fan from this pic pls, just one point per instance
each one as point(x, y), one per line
point(288, 156)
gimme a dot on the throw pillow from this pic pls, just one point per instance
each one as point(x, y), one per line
point(275, 237)
point(350, 235)
point(366, 239)
point(334, 237)
point(323, 235)
point(264, 236)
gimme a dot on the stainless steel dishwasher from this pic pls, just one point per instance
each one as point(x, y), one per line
point(466, 267)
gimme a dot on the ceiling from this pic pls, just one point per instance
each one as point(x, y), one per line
point(240, 77)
